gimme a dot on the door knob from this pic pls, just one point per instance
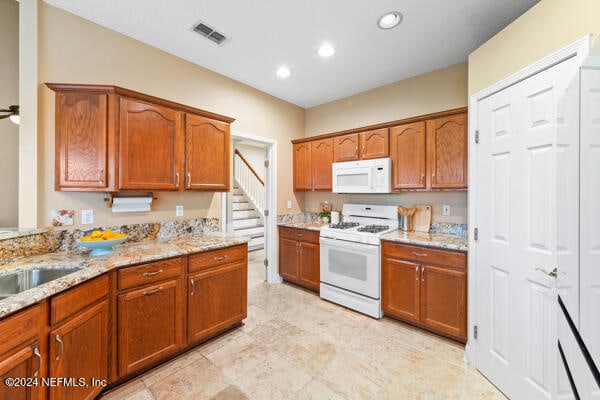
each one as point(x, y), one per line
point(553, 273)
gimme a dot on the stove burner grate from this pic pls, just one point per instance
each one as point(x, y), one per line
point(344, 225)
point(373, 228)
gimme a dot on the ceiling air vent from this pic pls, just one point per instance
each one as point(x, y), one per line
point(209, 33)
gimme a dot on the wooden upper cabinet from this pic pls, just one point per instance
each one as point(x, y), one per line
point(408, 156)
point(321, 159)
point(110, 138)
point(82, 136)
point(302, 171)
point(374, 144)
point(447, 151)
point(150, 141)
point(206, 144)
point(361, 146)
point(345, 148)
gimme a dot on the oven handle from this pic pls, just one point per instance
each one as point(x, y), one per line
point(362, 247)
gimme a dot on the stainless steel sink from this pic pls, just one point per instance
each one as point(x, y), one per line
point(20, 281)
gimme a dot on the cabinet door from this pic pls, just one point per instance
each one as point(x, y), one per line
point(309, 265)
point(408, 156)
point(400, 289)
point(447, 151)
point(151, 146)
point(217, 300)
point(150, 324)
point(81, 140)
point(24, 362)
point(79, 349)
point(444, 300)
point(374, 144)
point(345, 148)
point(206, 153)
point(302, 172)
point(321, 159)
point(289, 259)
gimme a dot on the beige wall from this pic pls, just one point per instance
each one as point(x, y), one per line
point(9, 94)
point(435, 91)
point(74, 50)
point(545, 28)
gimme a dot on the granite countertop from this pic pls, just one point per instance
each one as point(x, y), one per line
point(312, 226)
point(440, 240)
point(125, 254)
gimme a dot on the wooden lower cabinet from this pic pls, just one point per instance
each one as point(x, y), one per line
point(24, 362)
point(426, 287)
point(122, 323)
point(216, 300)
point(79, 349)
point(22, 352)
point(150, 321)
point(299, 257)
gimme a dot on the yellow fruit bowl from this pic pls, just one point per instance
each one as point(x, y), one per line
point(101, 247)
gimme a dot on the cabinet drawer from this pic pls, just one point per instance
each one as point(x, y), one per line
point(66, 304)
point(149, 273)
point(425, 255)
point(17, 328)
point(210, 259)
point(299, 234)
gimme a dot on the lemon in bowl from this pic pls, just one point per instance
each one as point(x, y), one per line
point(102, 242)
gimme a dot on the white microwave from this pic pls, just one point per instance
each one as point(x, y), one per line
point(363, 176)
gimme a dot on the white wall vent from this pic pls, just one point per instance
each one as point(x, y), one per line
point(209, 33)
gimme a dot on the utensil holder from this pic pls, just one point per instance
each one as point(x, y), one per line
point(406, 222)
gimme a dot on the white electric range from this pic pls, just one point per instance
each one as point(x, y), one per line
point(350, 257)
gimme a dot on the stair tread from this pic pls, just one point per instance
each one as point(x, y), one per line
point(249, 227)
point(234, 202)
point(245, 218)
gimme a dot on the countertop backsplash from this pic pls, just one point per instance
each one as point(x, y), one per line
point(51, 241)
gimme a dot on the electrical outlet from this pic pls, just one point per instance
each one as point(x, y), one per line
point(179, 211)
point(87, 217)
point(289, 204)
point(446, 209)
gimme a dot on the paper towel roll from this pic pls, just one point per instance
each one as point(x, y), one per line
point(131, 204)
point(335, 217)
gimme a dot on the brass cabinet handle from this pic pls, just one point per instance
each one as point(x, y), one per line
point(417, 272)
point(101, 175)
point(356, 150)
point(423, 179)
point(146, 274)
point(61, 348)
point(420, 254)
point(364, 149)
point(422, 273)
point(220, 258)
point(193, 287)
point(189, 180)
point(177, 179)
point(36, 352)
point(297, 247)
point(149, 292)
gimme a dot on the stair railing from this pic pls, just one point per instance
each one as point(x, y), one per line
point(248, 180)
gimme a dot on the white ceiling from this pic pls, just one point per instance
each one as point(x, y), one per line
point(265, 34)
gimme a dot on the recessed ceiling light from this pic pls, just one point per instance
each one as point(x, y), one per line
point(326, 50)
point(283, 72)
point(389, 20)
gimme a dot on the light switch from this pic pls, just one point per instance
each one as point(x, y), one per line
point(87, 217)
point(179, 211)
point(289, 204)
point(446, 209)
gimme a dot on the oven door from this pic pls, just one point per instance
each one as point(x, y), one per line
point(351, 266)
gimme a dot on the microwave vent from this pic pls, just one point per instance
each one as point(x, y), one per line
point(209, 33)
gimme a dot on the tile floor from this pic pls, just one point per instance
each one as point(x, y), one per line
point(296, 346)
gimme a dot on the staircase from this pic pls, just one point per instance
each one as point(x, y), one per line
point(248, 198)
point(247, 221)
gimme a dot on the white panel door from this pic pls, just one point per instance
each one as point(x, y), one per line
point(590, 222)
point(517, 221)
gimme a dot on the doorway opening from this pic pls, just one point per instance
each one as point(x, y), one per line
point(250, 209)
